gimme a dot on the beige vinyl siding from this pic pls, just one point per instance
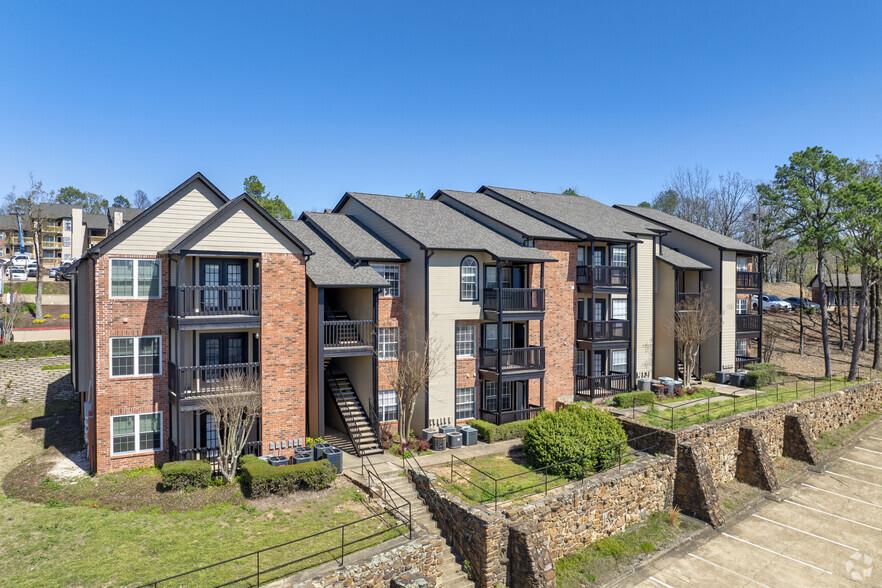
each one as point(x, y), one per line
point(245, 230)
point(445, 308)
point(664, 306)
point(727, 330)
point(358, 302)
point(644, 292)
point(167, 226)
point(360, 371)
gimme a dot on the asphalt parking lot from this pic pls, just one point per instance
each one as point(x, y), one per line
point(825, 529)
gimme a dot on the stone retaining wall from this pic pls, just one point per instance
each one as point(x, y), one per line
point(25, 378)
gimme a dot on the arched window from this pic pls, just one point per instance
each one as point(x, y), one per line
point(468, 279)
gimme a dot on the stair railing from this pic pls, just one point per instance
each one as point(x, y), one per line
point(386, 492)
point(348, 418)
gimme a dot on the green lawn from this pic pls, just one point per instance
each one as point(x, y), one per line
point(50, 286)
point(702, 393)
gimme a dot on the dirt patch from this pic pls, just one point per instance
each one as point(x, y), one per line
point(786, 468)
point(785, 289)
point(735, 494)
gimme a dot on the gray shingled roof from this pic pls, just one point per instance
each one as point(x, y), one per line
point(680, 260)
point(435, 225)
point(328, 268)
point(854, 280)
point(593, 218)
point(528, 225)
point(697, 231)
point(354, 240)
point(96, 221)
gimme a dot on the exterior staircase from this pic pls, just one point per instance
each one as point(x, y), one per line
point(358, 426)
point(452, 575)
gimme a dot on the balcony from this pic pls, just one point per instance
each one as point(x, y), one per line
point(592, 387)
point(603, 331)
point(190, 383)
point(348, 337)
point(509, 416)
point(748, 280)
point(515, 303)
point(687, 297)
point(603, 276)
point(214, 301)
point(748, 323)
point(515, 361)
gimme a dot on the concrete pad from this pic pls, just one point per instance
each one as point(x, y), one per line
point(824, 525)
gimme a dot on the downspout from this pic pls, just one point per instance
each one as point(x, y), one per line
point(720, 348)
point(499, 340)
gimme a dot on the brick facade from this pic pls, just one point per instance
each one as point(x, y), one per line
point(391, 313)
point(130, 394)
point(283, 347)
point(467, 368)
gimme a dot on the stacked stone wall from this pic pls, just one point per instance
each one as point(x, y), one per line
point(26, 378)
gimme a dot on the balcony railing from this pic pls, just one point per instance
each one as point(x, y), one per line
point(748, 280)
point(748, 322)
point(591, 387)
point(603, 275)
point(193, 382)
point(208, 453)
point(343, 334)
point(510, 416)
point(687, 296)
point(514, 359)
point(515, 299)
point(603, 330)
point(214, 300)
point(741, 361)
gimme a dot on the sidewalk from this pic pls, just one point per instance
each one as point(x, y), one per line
point(725, 391)
point(20, 336)
point(389, 462)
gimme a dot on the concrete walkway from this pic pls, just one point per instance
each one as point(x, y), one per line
point(725, 391)
point(20, 336)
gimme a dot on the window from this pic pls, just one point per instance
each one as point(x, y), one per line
point(465, 341)
point(580, 363)
point(135, 356)
point(465, 403)
point(490, 338)
point(468, 279)
point(134, 278)
point(740, 347)
point(599, 257)
point(68, 224)
point(211, 437)
point(387, 406)
point(598, 364)
point(391, 274)
point(619, 256)
point(66, 242)
point(742, 264)
point(620, 361)
point(619, 309)
point(387, 342)
point(490, 396)
point(742, 305)
point(137, 432)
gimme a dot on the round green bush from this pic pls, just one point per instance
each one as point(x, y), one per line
point(574, 442)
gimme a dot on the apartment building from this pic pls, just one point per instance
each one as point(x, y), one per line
point(732, 272)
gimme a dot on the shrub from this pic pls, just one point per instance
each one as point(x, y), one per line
point(310, 442)
point(574, 432)
point(760, 374)
point(177, 475)
point(47, 316)
point(64, 316)
point(39, 321)
point(34, 349)
point(490, 432)
point(631, 399)
point(262, 479)
point(709, 377)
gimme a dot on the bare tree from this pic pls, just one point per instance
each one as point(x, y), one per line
point(730, 205)
point(11, 311)
point(695, 321)
point(33, 209)
point(235, 407)
point(140, 200)
point(694, 194)
point(420, 359)
point(770, 341)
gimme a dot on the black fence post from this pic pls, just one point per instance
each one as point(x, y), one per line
point(342, 543)
point(258, 568)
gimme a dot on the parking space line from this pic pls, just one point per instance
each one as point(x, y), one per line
point(842, 495)
point(876, 438)
point(728, 570)
point(855, 479)
point(657, 581)
point(835, 516)
point(869, 465)
point(776, 553)
point(809, 534)
point(868, 450)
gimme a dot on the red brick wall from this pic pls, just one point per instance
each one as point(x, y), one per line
point(390, 313)
point(283, 347)
point(133, 394)
point(560, 321)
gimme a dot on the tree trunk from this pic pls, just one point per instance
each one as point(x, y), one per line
point(838, 309)
point(848, 306)
point(859, 328)
point(801, 321)
point(825, 334)
point(38, 254)
point(877, 343)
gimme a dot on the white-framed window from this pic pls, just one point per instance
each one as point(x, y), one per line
point(490, 338)
point(742, 305)
point(66, 242)
point(580, 363)
point(740, 347)
point(68, 224)
point(134, 278)
point(387, 342)
point(465, 341)
point(619, 309)
point(135, 356)
point(742, 264)
point(387, 406)
point(599, 256)
point(211, 437)
point(465, 403)
point(490, 396)
point(619, 361)
point(134, 433)
point(468, 279)
point(392, 274)
point(618, 256)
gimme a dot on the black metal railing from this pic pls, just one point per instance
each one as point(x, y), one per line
point(515, 299)
point(688, 296)
point(205, 380)
point(513, 359)
point(342, 334)
point(509, 416)
point(748, 322)
point(214, 300)
point(603, 275)
point(603, 330)
point(741, 361)
point(748, 280)
point(591, 387)
point(211, 454)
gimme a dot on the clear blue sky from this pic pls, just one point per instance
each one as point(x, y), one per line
point(322, 97)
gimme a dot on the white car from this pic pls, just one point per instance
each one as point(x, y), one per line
point(21, 260)
point(773, 304)
point(18, 274)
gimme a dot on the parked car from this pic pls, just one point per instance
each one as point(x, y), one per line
point(59, 273)
point(803, 303)
point(18, 274)
point(32, 269)
point(772, 303)
point(53, 271)
point(21, 259)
